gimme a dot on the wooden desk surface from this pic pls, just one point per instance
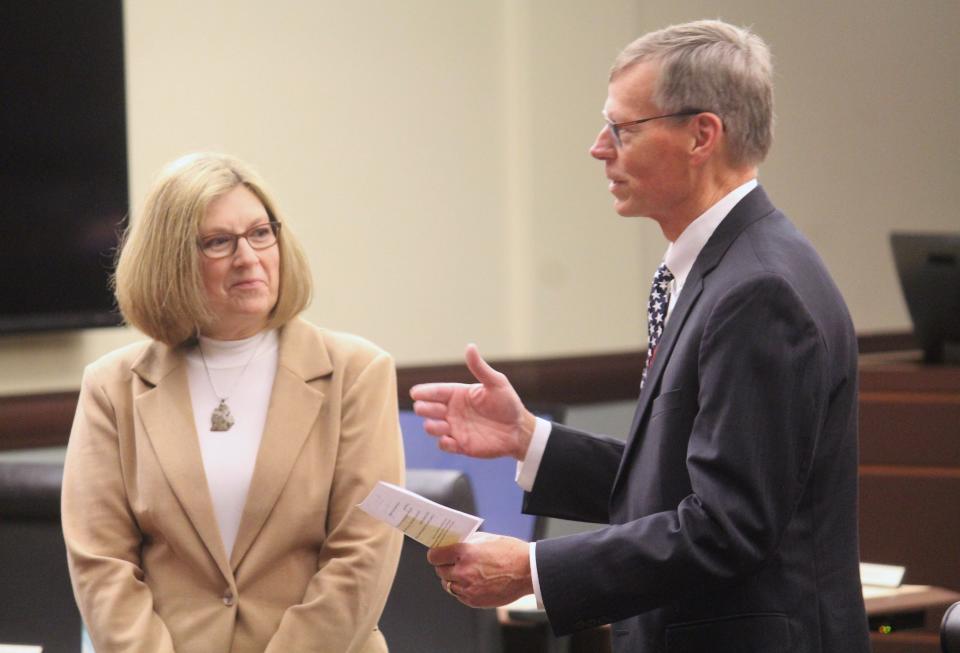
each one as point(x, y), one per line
point(878, 600)
point(906, 598)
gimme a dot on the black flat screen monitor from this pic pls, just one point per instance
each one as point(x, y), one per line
point(929, 268)
point(63, 162)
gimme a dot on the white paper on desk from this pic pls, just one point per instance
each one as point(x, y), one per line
point(424, 520)
point(881, 575)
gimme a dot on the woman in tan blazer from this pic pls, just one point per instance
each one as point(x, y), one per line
point(212, 473)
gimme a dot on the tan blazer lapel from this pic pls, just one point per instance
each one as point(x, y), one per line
point(166, 413)
point(294, 407)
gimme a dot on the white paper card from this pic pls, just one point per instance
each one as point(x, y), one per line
point(424, 520)
point(881, 575)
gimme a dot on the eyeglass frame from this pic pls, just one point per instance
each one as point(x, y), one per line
point(615, 127)
point(235, 239)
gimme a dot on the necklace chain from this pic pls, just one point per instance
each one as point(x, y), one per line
point(221, 419)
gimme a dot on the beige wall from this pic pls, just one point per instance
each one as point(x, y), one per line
point(432, 156)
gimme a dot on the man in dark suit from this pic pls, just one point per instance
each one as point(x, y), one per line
point(732, 505)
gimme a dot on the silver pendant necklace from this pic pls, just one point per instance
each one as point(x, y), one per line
point(221, 419)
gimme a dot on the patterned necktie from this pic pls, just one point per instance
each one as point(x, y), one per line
point(656, 313)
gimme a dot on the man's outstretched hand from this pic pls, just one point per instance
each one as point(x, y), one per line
point(482, 420)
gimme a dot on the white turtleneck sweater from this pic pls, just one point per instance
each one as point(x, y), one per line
point(242, 371)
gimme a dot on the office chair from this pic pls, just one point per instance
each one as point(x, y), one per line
point(950, 629)
point(36, 599)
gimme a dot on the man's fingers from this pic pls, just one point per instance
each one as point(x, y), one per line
point(436, 427)
point(444, 572)
point(434, 391)
point(448, 444)
point(480, 368)
point(430, 409)
point(440, 429)
point(443, 555)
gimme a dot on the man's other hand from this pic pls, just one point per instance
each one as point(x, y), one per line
point(486, 571)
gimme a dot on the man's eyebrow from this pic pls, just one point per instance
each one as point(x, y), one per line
point(605, 112)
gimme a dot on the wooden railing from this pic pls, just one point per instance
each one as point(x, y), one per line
point(43, 420)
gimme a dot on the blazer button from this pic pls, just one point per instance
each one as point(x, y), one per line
point(228, 597)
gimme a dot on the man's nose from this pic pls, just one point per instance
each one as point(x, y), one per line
point(603, 147)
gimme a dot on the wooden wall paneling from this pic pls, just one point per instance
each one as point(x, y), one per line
point(38, 420)
point(911, 516)
point(910, 428)
point(910, 472)
point(43, 420)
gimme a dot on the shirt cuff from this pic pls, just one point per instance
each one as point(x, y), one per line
point(528, 467)
point(533, 575)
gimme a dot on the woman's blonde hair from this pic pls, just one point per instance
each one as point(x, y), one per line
point(157, 281)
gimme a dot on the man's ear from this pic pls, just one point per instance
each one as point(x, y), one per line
point(707, 132)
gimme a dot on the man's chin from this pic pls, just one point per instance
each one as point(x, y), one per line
point(625, 209)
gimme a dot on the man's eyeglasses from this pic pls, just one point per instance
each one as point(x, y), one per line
point(259, 236)
point(615, 127)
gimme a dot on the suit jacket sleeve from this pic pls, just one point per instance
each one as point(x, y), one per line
point(570, 454)
point(761, 395)
point(355, 567)
point(101, 535)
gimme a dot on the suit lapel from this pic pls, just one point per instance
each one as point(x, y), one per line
point(294, 407)
point(751, 208)
point(166, 413)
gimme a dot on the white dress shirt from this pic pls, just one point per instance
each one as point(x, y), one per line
point(679, 257)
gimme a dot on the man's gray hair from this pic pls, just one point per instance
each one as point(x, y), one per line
point(713, 66)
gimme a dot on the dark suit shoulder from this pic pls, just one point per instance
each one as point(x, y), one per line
point(746, 310)
point(771, 269)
